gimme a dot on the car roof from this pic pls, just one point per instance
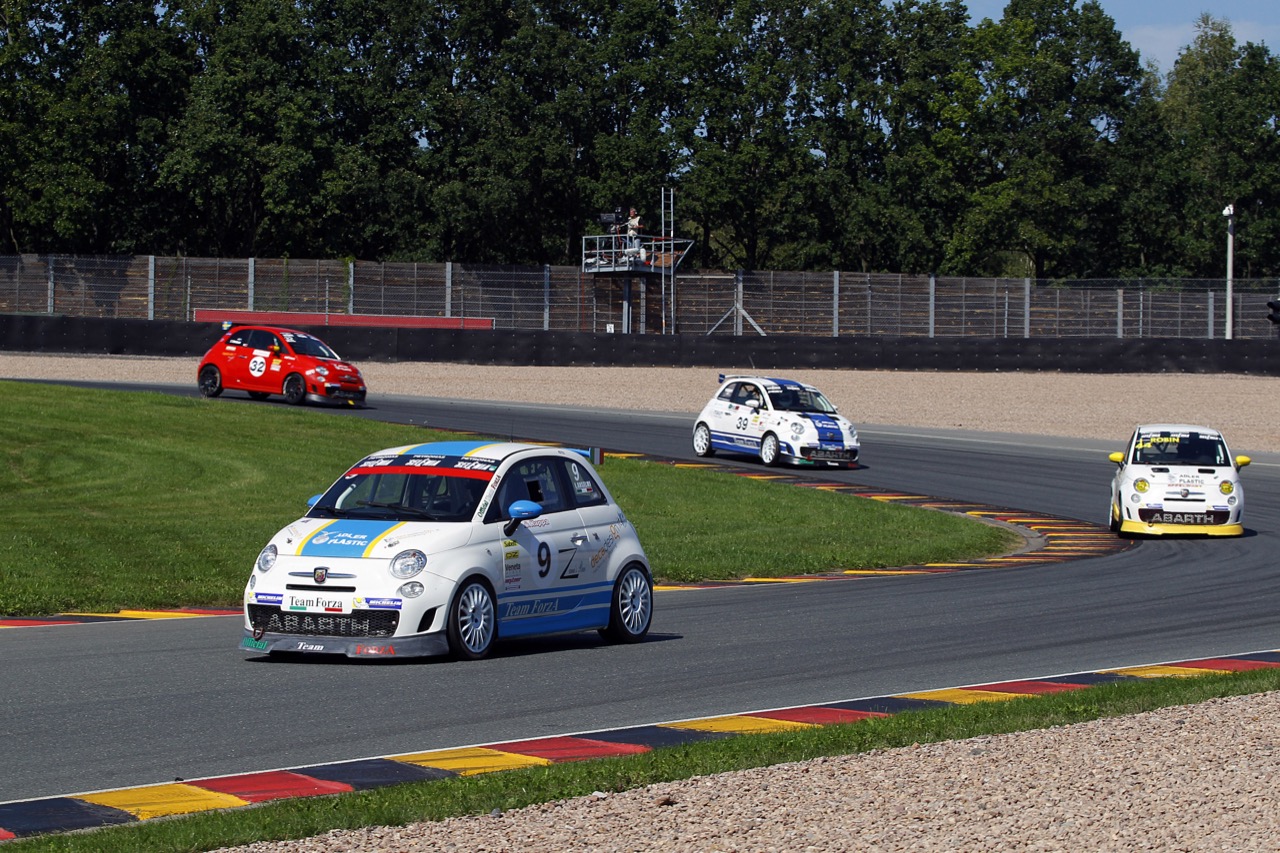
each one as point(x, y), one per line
point(487, 451)
point(765, 381)
point(236, 327)
point(1209, 432)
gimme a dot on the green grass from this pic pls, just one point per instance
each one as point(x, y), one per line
point(117, 500)
point(475, 795)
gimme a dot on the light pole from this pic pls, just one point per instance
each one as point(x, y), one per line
point(1230, 212)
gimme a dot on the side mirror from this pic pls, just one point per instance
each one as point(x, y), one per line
point(311, 501)
point(1117, 457)
point(1242, 461)
point(520, 511)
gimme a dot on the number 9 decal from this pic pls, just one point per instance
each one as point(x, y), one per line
point(544, 559)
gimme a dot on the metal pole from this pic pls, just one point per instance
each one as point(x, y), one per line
point(933, 284)
point(1230, 213)
point(1026, 307)
point(151, 287)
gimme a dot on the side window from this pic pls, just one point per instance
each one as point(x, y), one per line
point(260, 339)
point(740, 393)
point(239, 339)
point(586, 492)
point(545, 486)
point(726, 393)
point(534, 480)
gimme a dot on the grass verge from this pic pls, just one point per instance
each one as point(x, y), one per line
point(120, 500)
point(507, 790)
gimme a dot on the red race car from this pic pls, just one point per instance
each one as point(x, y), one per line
point(266, 360)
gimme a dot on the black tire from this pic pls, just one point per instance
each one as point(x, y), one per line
point(210, 381)
point(631, 612)
point(770, 450)
point(295, 389)
point(473, 621)
point(259, 395)
point(1115, 522)
point(702, 441)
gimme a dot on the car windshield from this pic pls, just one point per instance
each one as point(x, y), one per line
point(404, 496)
point(314, 347)
point(800, 400)
point(1171, 448)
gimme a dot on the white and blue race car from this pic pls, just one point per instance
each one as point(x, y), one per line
point(779, 420)
point(444, 548)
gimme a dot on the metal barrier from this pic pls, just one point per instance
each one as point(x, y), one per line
point(571, 299)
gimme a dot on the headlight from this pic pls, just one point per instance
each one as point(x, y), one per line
point(1140, 486)
point(1226, 487)
point(267, 558)
point(797, 429)
point(321, 371)
point(412, 589)
point(406, 564)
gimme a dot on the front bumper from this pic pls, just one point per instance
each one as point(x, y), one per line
point(1142, 528)
point(821, 456)
point(336, 394)
point(417, 645)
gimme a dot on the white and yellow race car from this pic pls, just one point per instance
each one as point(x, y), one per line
point(1177, 479)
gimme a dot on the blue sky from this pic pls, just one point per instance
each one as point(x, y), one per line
point(1159, 29)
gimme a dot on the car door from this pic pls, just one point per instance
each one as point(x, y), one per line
point(543, 558)
point(235, 367)
point(262, 362)
point(739, 418)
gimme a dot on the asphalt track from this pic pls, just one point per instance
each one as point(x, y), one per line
point(108, 705)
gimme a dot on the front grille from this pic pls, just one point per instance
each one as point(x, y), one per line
point(302, 587)
point(357, 623)
point(1155, 516)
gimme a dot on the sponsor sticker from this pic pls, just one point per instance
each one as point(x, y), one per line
point(360, 603)
point(315, 604)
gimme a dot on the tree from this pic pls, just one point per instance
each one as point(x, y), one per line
point(1058, 85)
point(1220, 110)
point(91, 92)
point(248, 153)
point(744, 169)
point(930, 90)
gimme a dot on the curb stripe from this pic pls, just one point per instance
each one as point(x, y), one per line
point(106, 808)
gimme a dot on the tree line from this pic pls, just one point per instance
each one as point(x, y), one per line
point(835, 134)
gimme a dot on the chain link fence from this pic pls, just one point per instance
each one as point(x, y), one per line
point(569, 299)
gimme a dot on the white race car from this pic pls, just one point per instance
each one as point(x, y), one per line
point(1177, 479)
point(779, 420)
point(444, 548)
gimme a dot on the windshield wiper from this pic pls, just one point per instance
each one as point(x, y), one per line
point(398, 507)
point(328, 510)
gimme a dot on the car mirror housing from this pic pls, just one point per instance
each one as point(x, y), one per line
point(1242, 461)
point(1117, 457)
point(520, 511)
